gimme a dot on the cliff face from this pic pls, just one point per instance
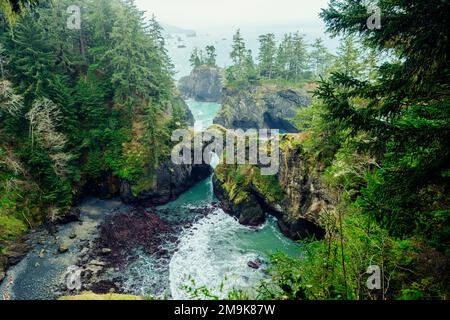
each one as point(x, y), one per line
point(168, 182)
point(203, 84)
point(266, 106)
point(179, 103)
point(295, 195)
point(107, 184)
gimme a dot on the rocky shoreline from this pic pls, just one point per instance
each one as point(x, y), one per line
point(100, 255)
point(122, 239)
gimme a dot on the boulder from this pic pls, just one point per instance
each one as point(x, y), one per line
point(63, 248)
point(255, 264)
point(16, 251)
point(106, 251)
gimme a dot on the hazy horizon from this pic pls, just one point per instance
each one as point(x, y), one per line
point(221, 18)
point(215, 22)
point(207, 14)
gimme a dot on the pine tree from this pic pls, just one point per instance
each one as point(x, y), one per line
point(250, 70)
point(267, 55)
point(99, 18)
point(321, 59)
point(211, 56)
point(195, 59)
point(283, 54)
point(349, 60)
point(239, 51)
point(128, 56)
point(298, 57)
point(32, 59)
point(403, 112)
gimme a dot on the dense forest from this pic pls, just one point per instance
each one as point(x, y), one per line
point(383, 138)
point(292, 61)
point(77, 106)
point(378, 133)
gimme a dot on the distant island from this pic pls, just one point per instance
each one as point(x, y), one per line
point(171, 30)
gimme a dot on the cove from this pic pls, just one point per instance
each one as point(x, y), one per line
point(211, 249)
point(215, 251)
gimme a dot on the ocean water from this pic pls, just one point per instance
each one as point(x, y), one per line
point(204, 113)
point(214, 252)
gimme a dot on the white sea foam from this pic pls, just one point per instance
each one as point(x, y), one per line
point(207, 253)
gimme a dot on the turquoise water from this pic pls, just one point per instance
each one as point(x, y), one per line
point(204, 113)
point(212, 250)
point(215, 251)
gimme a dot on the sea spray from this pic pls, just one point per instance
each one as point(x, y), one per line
point(209, 255)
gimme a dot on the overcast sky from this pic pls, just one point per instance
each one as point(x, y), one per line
point(203, 14)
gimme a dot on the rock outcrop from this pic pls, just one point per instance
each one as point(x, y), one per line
point(179, 103)
point(13, 253)
point(295, 195)
point(108, 185)
point(168, 182)
point(266, 106)
point(246, 209)
point(3, 265)
point(203, 84)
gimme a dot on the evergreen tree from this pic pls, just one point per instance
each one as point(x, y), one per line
point(349, 58)
point(250, 70)
point(283, 54)
point(239, 55)
point(267, 55)
point(320, 58)
point(211, 56)
point(239, 51)
point(196, 58)
point(99, 18)
point(128, 56)
point(292, 57)
point(32, 59)
point(299, 57)
point(403, 112)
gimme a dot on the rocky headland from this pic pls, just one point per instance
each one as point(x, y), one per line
point(295, 195)
point(266, 106)
point(203, 84)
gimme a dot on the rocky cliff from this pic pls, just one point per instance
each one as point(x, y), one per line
point(178, 103)
point(203, 84)
point(168, 182)
point(264, 106)
point(295, 195)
